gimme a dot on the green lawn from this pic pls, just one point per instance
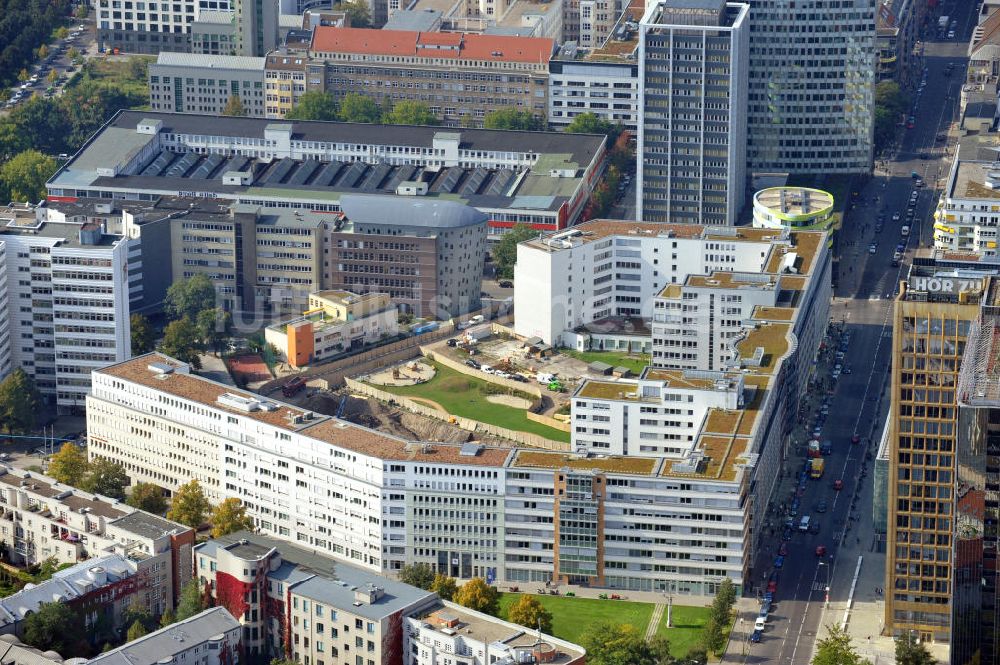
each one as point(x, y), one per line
point(572, 616)
point(634, 361)
point(686, 632)
point(463, 395)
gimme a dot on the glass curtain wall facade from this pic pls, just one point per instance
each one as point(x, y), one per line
point(811, 95)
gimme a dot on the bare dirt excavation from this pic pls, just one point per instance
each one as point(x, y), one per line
point(392, 419)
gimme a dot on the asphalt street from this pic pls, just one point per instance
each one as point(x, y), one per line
point(865, 285)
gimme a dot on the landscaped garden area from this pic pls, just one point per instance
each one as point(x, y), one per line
point(633, 361)
point(467, 397)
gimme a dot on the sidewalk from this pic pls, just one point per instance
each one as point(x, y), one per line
point(863, 613)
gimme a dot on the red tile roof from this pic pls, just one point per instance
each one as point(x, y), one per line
point(498, 48)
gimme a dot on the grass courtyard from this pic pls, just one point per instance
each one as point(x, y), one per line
point(571, 618)
point(465, 396)
point(689, 622)
point(634, 361)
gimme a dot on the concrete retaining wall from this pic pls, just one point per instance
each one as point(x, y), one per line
point(525, 438)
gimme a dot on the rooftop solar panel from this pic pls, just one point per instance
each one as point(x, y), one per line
point(306, 169)
point(376, 177)
point(501, 180)
point(353, 174)
point(402, 174)
point(204, 170)
point(237, 163)
point(328, 175)
point(474, 181)
point(159, 164)
point(183, 165)
point(278, 172)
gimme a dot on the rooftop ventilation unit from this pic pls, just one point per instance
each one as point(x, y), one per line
point(239, 402)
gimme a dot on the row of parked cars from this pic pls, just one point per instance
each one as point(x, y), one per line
point(41, 70)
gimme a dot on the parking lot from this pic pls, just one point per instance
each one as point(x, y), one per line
point(513, 357)
point(80, 37)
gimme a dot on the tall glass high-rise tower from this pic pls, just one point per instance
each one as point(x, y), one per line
point(811, 95)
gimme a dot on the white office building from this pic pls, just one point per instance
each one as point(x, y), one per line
point(693, 59)
point(6, 365)
point(602, 272)
point(195, 83)
point(67, 307)
point(812, 71)
point(380, 502)
point(603, 80)
point(150, 27)
point(968, 213)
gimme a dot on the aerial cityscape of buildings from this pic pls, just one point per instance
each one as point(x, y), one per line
point(580, 298)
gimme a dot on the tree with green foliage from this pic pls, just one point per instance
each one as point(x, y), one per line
point(610, 643)
point(12, 139)
point(189, 296)
point(444, 586)
point(420, 575)
point(73, 53)
point(477, 595)
point(167, 618)
point(43, 52)
point(23, 178)
point(719, 616)
point(696, 655)
point(142, 334)
point(138, 614)
point(890, 105)
point(69, 466)
point(836, 649)
point(180, 340)
point(23, 75)
point(44, 124)
point(357, 12)
point(355, 107)
point(189, 505)
point(911, 651)
point(410, 112)
point(511, 118)
point(81, 11)
point(191, 602)
point(505, 252)
point(314, 105)
point(53, 627)
point(19, 402)
point(62, 32)
point(148, 497)
point(135, 631)
point(234, 106)
point(589, 123)
point(52, 77)
point(229, 517)
point(106, 477)
point(46, 569)
point(528, 612)
point(213, 327)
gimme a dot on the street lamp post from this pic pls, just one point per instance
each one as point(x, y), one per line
point(670, 611)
